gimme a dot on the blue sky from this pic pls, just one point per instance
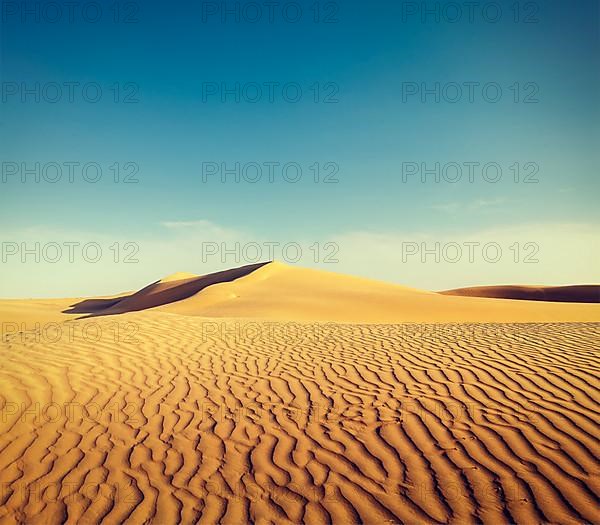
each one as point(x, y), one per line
point(366, 58)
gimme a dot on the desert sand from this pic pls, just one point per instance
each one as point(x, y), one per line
point(274, 394)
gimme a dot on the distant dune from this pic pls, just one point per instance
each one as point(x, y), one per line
point(271, 394)
point(563, 294)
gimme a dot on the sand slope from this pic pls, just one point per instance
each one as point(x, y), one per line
point(281, 292)
point(163, 415)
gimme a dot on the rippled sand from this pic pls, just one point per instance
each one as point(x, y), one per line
point(160, 417)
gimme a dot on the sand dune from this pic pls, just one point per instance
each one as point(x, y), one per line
point(564, 294)
point(166, 414)
point(280, 292)
point(275, 291)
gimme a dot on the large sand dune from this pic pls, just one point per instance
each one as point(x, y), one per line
point(234, 400)
point(279, 292)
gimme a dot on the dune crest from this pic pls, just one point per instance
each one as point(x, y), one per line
point(279, 292)
point(276, 291)
point(178, 276)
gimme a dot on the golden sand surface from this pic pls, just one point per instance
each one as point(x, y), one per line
point(297, 396)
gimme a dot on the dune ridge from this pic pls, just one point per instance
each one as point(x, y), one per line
point(587, 293)
point(279, 292)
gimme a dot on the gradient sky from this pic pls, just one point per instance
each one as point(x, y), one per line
point(369, 53)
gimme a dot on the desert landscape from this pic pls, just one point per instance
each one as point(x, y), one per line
point(275, 394)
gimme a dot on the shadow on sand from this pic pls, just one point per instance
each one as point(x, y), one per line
point(158, 293)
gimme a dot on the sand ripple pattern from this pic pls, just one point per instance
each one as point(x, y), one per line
point(196, 422)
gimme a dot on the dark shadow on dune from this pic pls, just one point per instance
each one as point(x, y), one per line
point(586, 293)
point(158, 293)
point(92, 305)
